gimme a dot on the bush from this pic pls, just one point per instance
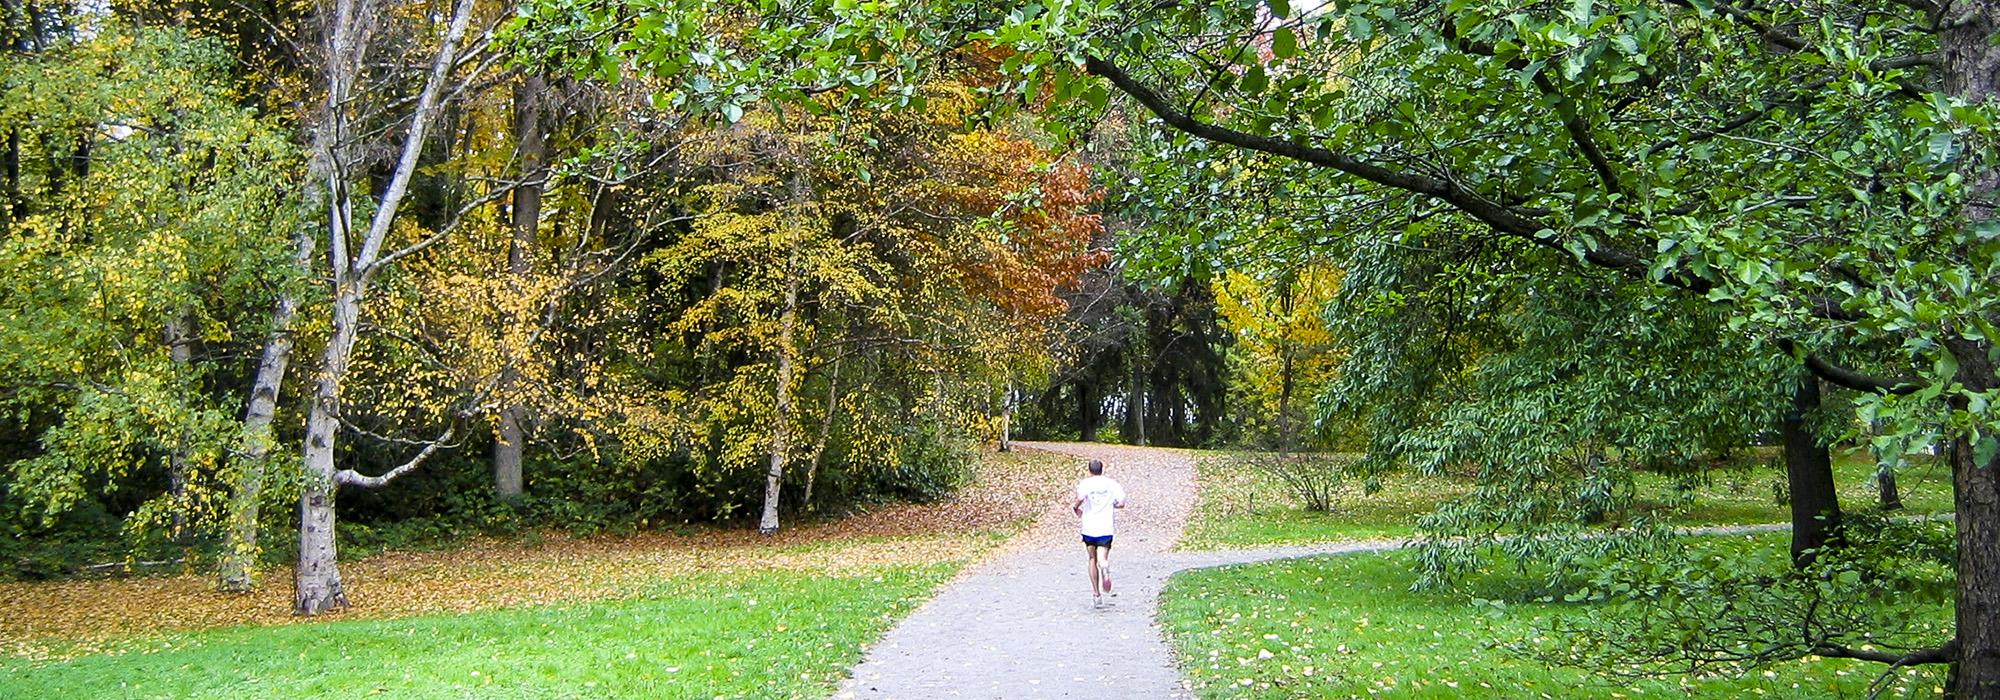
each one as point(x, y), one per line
point(1313, 478)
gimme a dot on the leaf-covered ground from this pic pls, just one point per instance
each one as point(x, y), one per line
point(51, 620)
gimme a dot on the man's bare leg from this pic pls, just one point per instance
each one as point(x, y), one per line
point(1096, 596)
point(1104, 567)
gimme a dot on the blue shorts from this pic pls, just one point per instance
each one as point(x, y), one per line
point(1097, 540)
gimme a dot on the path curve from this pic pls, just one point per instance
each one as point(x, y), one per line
point(1020, 624)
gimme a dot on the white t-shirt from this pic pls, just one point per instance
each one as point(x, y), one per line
point(1100, 495)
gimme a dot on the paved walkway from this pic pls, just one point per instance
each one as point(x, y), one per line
point(1020, 624)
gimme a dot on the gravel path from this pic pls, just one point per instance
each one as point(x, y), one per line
point(1021, 625)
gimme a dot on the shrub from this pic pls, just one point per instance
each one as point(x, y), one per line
point(1313, 478)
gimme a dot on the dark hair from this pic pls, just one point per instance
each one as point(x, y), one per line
point(1096, 467)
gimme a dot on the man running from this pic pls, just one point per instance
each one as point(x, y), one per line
point(1096, 497)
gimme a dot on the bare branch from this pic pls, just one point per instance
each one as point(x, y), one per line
point(413, 142)
point(349, 477)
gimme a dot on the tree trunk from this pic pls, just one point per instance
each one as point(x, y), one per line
point(1007, 418)
point(825, 433)
point(180, 350)
point(1976, 500)
point(781, 427)
point(238, 565)
point(1086, 412)
point(1285, 405)
point(318, 587)
point(1809, 473)
point(527, 213)
point(1971, 71)
point(1885, 484)
point(1135, 419)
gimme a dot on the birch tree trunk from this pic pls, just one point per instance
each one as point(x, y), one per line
point(509, 444)
point(781, 427)
point(238, 566)
point(317, 585)
point(180, 350)
point(1007, 418)
point(318, 588)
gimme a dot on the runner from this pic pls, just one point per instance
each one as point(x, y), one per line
point(1096, 497)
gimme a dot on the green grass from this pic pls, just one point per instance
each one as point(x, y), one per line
point(1242, 508)
point(1746, 495)
point(782, 634)
point(1349, 626)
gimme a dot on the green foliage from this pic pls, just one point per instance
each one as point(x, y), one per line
point(138, 262)
point(1352, 626)
point(1588, 390)
point(1723, 610)
point(770, 635)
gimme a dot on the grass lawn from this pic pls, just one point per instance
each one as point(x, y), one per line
point(1241, 508)
point(1349, 626)
point(776, 634)
point(704, 613)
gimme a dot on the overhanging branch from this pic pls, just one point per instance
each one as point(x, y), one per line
point(1500, 217)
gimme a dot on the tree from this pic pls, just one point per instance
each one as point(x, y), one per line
point(1688, 146)
point(1700, 147)
point(355, 257)
point(133, 276)
point(1282, 346)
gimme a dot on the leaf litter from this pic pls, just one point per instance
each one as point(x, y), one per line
point(43, 621)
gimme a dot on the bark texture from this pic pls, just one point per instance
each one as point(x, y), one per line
point(1971, 69)
point(353, 261)
point(317, 585)
point(1888, 496)
point(781, 424)
point(238, 565)
point(180, 350)
point(510, 442)
point(1809, 472)
point(1976, 499)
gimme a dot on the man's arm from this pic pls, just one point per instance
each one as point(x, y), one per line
point(1076, 505)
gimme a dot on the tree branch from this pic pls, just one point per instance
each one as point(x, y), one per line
point(1848, 378)
point(349, 477)
point(1842, 376)
point(1579, 134)
point(413, 142)
point(1935, 655)
point(1500, 217)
